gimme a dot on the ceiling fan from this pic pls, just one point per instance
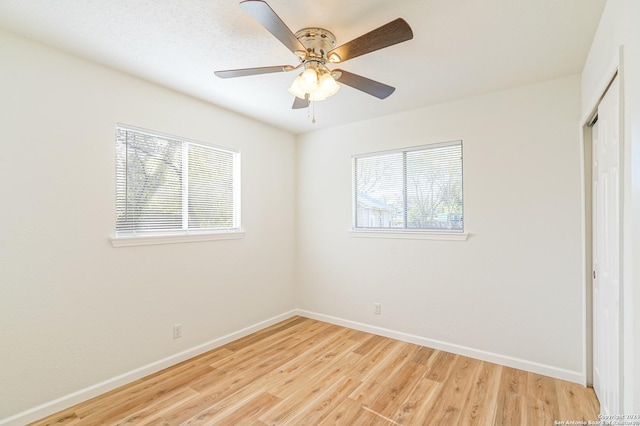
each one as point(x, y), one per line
point(315, 48)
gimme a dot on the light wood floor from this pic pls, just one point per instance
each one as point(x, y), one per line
point(306, 372)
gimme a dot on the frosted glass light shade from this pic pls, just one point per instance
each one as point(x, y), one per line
point(317, 96)
point(327, 85)
point(295, 89)
point(308, 80)
point(318, 89)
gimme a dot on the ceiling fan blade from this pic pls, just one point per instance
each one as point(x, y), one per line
point(262, 12)
point(252, 71)
point(372, 87)
point(387, 35)
point(300, 103)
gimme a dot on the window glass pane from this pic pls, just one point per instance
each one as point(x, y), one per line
point(167, 185)
point(379, 195)
point(210, 188)
point(434, 188)
point(417, 188)
point(149, 182)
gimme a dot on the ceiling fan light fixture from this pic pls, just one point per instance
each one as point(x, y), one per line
point(308, 80)
point(317, 96)
point(327, 85)
point(309, 86)
point(295, 89)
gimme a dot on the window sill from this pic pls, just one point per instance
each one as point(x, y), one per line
point(409, 235)
point(146, 240)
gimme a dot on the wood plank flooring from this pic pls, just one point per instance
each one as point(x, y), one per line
point(307, 372)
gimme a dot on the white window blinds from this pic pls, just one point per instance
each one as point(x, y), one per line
point(170, 185)
point(415, 188)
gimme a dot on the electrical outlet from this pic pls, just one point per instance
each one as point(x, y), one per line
point(377, 308)
point(177, 331)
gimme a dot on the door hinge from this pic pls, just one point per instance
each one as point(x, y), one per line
point(594, 274)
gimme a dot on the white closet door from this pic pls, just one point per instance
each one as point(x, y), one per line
point(606, 253)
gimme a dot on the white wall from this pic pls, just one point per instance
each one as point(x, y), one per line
point(619, 28)
point(75, 311)
point(512, 292)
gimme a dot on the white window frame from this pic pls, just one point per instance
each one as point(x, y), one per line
point(402, 233)
point(138, 238)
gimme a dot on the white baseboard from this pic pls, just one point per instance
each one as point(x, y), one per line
point(87, 393)
point(521, 364)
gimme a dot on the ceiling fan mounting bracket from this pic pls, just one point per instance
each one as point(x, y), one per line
point(318, 43)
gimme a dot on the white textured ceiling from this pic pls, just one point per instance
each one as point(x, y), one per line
point(460, 48)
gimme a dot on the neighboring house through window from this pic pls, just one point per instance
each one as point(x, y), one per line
point(373, 211)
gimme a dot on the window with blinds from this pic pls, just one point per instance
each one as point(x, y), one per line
point(418, 188)
point(169, 185)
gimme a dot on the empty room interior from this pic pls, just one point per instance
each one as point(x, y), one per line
point(320, 212)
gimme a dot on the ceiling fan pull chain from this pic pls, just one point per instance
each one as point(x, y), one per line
point(313, 108)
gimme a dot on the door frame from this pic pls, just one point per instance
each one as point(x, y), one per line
point(616, 71)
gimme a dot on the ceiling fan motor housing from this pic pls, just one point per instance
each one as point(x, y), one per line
point(318, 43)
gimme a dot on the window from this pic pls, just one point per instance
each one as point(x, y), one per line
point(169, 185)
point(417, 188)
